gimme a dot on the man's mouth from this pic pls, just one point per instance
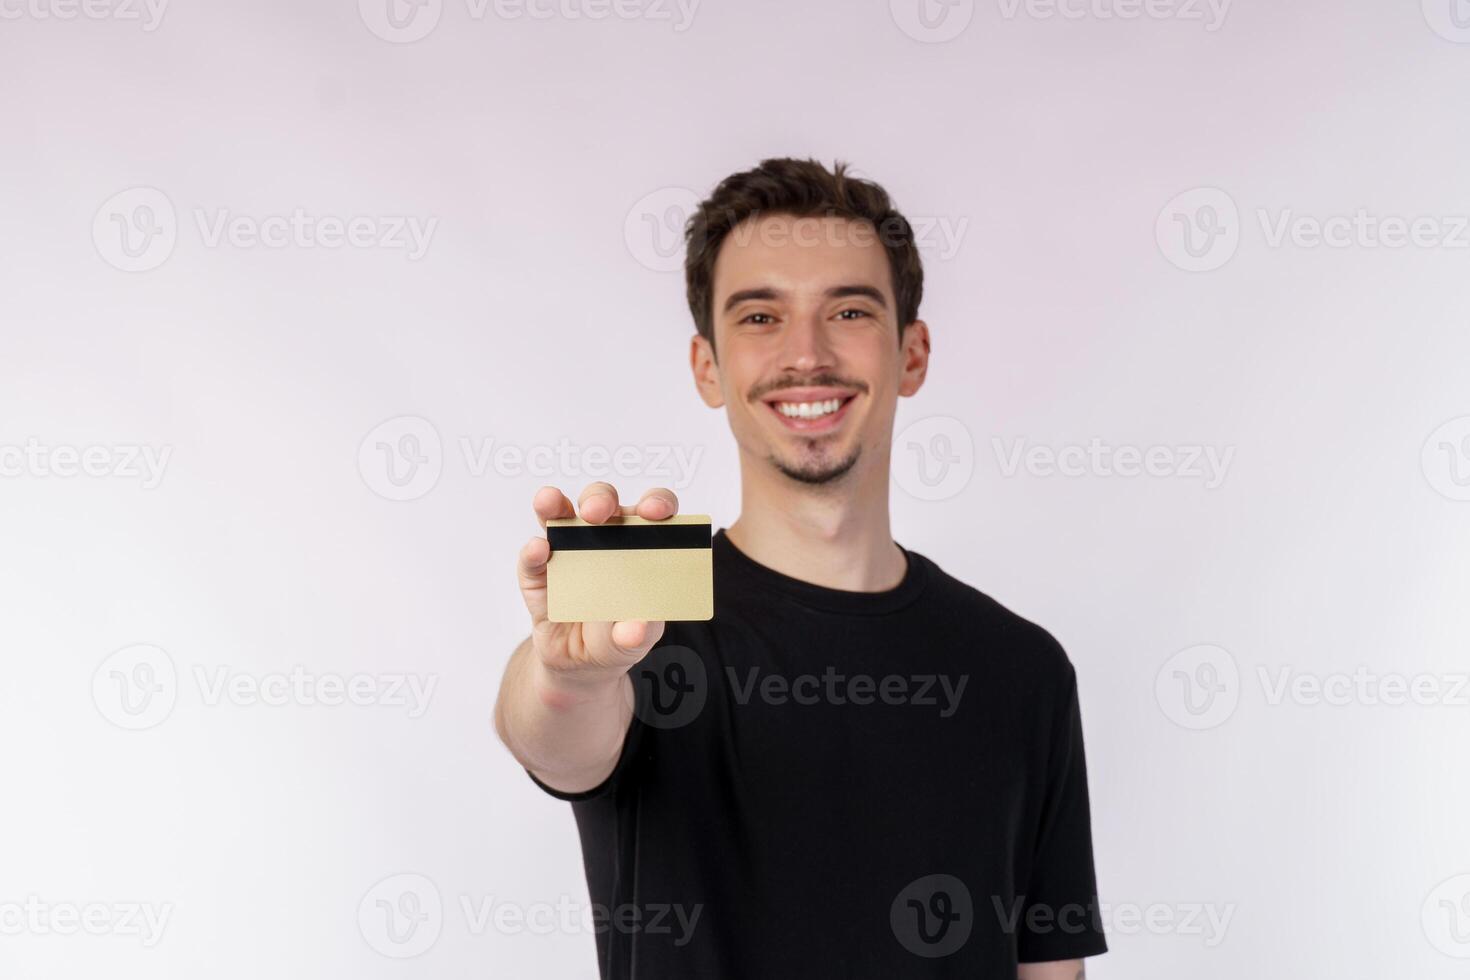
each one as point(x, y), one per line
point(810, 410)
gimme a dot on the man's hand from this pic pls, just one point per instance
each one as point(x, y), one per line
point(585, 653)
point(566, 699)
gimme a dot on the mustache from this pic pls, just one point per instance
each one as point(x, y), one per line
point(827, 380)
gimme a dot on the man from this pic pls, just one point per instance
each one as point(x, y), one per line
point(861, 767)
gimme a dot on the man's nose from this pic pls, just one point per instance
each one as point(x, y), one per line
point(808, 344)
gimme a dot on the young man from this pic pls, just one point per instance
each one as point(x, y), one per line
point(861, 767)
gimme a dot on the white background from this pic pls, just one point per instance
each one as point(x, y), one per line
point(544, 309)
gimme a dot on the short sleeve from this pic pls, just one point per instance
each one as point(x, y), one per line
point(1061, 919)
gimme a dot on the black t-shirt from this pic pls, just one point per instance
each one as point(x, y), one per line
point(821, 783)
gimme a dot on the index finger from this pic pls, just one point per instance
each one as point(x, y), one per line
point(550, 503)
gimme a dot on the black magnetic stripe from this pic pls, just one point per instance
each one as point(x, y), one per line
point(627, 537)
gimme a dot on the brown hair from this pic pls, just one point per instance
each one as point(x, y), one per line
point(801, 188)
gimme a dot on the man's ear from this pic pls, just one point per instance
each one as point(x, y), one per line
point(706, 371)
point(913, 356)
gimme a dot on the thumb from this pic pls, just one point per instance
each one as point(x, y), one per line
point(633, 638)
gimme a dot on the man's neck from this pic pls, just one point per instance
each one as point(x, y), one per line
point(834, 535)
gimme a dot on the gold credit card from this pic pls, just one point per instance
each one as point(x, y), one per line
point(630, 568)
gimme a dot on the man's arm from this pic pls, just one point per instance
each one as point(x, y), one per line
point(1055, 970)
point(1062, 882)
point(566, 699)
point(567, 732)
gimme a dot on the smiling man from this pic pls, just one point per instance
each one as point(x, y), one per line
point(861, 766)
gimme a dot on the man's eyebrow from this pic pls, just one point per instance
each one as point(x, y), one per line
point(876, 295)
point(836, 292)
point(741, 295)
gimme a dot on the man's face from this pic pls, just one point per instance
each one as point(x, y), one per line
point(807, 344)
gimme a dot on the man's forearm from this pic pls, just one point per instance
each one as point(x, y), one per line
point(566, 730)
point(1055, 970)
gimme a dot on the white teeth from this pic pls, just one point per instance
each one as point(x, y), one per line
point(808, 410)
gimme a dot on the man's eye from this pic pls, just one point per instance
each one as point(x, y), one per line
point(752, 316)
point(858, 312)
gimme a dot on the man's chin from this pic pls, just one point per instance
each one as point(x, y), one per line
point(816, 471)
